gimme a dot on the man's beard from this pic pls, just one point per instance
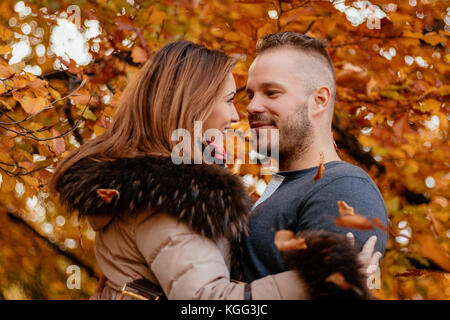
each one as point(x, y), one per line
point(295, 137)
point(295, 134)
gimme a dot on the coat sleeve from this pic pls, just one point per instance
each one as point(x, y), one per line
point(189, 266)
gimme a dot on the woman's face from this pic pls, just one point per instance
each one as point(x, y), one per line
point(223, 111)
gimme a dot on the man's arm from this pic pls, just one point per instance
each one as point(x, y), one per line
point(320, 209)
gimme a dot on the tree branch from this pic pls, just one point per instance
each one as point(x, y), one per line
point(16, 219)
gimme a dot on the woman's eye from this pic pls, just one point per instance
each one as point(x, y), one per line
point(272, 93)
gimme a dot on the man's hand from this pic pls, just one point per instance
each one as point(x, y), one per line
point(369, 259)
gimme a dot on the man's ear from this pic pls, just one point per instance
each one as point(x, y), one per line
point(321, 98)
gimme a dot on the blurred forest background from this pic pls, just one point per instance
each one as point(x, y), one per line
point(64, 64)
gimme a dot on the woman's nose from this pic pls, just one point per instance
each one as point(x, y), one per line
point(234, 115)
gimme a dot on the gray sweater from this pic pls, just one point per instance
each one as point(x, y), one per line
point(295, 201)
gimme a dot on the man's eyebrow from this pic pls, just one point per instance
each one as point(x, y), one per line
point(266, 85)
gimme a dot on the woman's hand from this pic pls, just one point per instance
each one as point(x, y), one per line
point(98, 291)
point(369, 259)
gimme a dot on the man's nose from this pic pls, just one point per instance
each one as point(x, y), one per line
point(255, 106)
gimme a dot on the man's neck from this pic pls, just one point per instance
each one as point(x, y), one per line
point(309, 159)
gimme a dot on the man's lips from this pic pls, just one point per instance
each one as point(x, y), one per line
point(260, 125)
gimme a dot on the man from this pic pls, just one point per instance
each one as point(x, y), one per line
point(292, 88)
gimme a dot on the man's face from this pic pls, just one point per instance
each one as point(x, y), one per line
point(279, 100)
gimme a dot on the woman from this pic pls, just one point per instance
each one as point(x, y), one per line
point(171, 224)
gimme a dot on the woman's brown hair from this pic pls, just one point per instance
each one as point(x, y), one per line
point(176, 87)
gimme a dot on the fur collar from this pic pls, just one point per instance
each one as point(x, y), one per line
point(209, 198)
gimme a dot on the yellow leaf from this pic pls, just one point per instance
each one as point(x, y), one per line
point(232, 36)
point(267, 28)
point(5, 33)
point(433, 38)
point(55, 94)
point(31, 181)
point(5, 49)
point(430, 105)
point(157, 17)
point(108, 112)
point(411, 34)
point(99, 130)
point(8, 184)
point(430, 248)
point(5, 71)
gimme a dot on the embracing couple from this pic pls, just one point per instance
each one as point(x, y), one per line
point(191, 229)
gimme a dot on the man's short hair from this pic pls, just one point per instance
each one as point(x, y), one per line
point(304, 43)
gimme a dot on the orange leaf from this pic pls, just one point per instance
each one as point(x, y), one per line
point(320, 169)
point(58, 144)
point(377, 223)
point(355, 222)
point(139, 55)
point(44, 177)
point(345, 209)
point(430, 248)
point(338, 279)
point(33, 105)
point(285, 240)
point(107, 194)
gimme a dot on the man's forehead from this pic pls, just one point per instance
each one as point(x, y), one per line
point(275, 67)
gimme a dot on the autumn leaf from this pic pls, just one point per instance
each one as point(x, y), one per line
point(44, 177)
point(433, 224)
point(5, 49)
point(320, 169)
point(5, 33)
point(345, 209)
point(107, 194)
point(33, 105)
point(286, 240)
point(411, 273)
point(354, 222)
point(139, 55)
point(338, 279)
point(58, 144)
point(433, 250)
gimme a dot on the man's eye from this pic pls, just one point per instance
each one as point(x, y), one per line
point(272, 93)
point(250, 95)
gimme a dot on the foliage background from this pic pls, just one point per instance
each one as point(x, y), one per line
point(391, 118)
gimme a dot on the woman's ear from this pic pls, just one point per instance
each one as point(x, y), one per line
point(321, 99)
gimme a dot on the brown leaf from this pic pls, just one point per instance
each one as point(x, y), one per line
point(356, 221)
point(411, 273)
point(395, 233)
point(433, 224)
point(107, 194)
point(285, 240)
point(320, 169)
point(44, 177)
point(345, 209)
point(338, 279)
